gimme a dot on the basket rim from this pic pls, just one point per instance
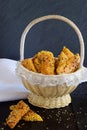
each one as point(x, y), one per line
point(50, 76)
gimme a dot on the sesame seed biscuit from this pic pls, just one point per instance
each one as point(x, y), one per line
point(32, 116)
point(16, 114)
point(67, 52)
point(28, 63)
point(44, 62)
point(67, 62)
point(62, 58)
point(71, 65)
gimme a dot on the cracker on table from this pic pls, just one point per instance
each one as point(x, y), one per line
point(30, 115)
point(16, 114)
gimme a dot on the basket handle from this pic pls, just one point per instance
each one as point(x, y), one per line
point(58, 17)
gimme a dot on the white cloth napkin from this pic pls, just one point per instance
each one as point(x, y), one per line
point(11, 87)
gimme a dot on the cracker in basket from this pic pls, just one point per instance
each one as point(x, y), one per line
point(28, 63)
point(67, 62)
point(16, 114)
point(67, 52)
point(44, 62)
point(62, 58)
point(71, 65)
point(30, 115)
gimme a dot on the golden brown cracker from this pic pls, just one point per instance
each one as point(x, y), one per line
point(28, 63)
point(67, 52)
point(44, 62)
point(62, 58)
point(71, 65)
point(32, 116)
point(16, 114)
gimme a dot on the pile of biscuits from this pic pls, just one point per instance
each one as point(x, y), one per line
point(44, 62)
point(21, 111)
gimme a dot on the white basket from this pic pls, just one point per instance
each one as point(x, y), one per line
point(51, 91)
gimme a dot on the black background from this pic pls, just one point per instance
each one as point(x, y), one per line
point(50, 35)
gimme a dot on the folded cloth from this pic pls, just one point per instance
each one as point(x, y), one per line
point(11, 87)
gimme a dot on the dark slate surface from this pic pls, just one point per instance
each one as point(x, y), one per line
point(53, 119)
point(72, 117)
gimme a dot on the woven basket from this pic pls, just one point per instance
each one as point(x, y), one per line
point(51, 91)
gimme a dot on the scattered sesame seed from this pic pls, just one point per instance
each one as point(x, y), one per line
point(47, 128)
point(68, 119)
point(85, 114)
point(2, 128)
point(67, 126)
point(48, 118)
point(85, 126)
point(78, 123)
point(23, 124)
